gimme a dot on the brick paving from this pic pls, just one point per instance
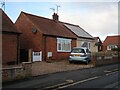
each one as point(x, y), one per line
point(40, 68)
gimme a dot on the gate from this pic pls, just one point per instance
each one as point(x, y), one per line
point(37, 56)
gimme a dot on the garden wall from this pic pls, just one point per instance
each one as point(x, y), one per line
point(15, 73)
point(102, 58)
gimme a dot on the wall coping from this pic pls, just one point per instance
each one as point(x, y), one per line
point(12, 68)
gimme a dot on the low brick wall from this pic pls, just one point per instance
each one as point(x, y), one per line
point(15, 73)
point(105, 58)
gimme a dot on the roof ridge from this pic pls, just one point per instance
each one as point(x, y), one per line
point(36, 15)
point(68, 23)
point(114, 36)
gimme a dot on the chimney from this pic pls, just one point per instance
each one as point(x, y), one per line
point(55, 17)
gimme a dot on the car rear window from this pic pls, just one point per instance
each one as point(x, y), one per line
point(78, 50)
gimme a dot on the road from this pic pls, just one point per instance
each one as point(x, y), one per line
point(97, 77)
point(109, 80)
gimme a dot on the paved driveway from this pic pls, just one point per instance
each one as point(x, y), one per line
point(40, 68)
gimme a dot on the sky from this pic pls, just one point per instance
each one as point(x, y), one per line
point(98, 18)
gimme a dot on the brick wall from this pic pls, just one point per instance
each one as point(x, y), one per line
point(9, 48)
point(18, 72)
point(51, 46)
point(28, 39)
point(104, 47)
point(105, 58)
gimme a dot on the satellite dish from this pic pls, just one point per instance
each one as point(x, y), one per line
point(34, 31)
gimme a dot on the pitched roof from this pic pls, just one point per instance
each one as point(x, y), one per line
point(80, 32)
point(112, 40)
point(7, 24)
point(50, 27)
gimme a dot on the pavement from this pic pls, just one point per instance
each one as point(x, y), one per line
point(41, 68)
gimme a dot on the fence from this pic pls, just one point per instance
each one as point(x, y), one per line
point(15, 73)
point(103, 58)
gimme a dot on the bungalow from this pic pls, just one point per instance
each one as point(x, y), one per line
point(84, 39)
point(111, 42)
point(47, 36)
point(10, 40)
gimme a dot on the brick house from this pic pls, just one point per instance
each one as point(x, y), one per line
point(111, 42)
point(44, 35)
point(10, 40)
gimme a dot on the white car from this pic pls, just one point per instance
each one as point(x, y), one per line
point(80, 54)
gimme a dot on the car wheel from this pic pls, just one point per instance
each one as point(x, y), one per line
point(87, 62)
point(70, 61)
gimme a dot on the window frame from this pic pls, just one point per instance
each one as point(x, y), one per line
point(63, 42)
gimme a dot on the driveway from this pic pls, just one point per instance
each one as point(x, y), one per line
point(40, 68)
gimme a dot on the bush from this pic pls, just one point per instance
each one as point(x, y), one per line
point(116, 49)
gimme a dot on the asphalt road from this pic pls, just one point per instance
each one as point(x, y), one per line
point(97, 77)
point(109, 80)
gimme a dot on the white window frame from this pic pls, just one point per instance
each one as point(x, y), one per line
point(110, 47)
point(63, 43)
point(88, 44)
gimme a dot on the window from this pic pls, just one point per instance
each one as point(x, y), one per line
point(110, 47)
point(63, 45)
point(85, 44)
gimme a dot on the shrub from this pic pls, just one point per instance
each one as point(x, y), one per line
point(116, 49)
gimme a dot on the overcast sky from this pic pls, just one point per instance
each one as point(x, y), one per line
point(97, 18)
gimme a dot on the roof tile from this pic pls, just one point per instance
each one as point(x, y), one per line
point(50, 27)
point(112, 40)
point(7, 24)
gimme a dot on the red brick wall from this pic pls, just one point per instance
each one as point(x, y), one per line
point(28, 40)
point(9, 48)
point(104, 47)
point(51, 46)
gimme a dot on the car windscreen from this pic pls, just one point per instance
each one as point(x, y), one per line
point(78, 50)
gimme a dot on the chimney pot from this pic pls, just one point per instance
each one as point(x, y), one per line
point(55, 17)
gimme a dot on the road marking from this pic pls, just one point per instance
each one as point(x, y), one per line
point(107, 71)
point(57, 85)
point(70, 81)
point(111, 73)
point(116, 69)
point(78, 82)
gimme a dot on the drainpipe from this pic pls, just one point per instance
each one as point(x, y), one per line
point(18, 49)
point(44, 45)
